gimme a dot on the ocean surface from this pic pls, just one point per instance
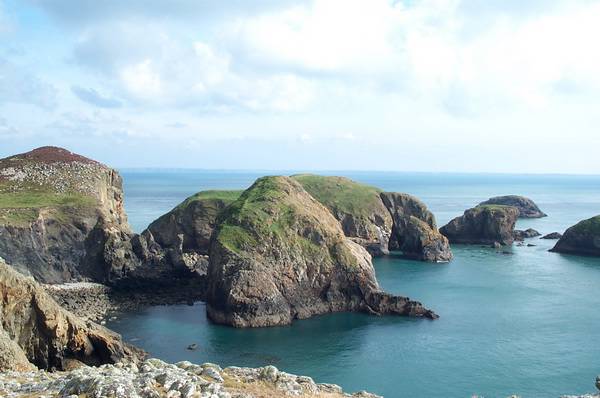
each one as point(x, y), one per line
point(525, 323)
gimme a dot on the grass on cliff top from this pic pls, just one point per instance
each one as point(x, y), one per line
point(341, 194)
point(591, 226)
point(22, 207)
point(227, 196)
point(492, 207)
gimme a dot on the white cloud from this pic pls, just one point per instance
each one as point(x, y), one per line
point(18, 85)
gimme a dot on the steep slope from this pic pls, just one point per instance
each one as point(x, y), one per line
point(57, 209)
point(35, 328)
point(415, 232)
point(279, 255)
point(582, 238)
point(358, 207)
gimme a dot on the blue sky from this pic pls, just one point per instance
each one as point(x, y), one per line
point(448, 85)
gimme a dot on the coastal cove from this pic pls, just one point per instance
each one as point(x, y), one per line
point(510, 323)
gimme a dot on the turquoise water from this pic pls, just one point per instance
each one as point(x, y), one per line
point(526, 322)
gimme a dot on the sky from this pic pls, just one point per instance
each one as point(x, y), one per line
point(508, 86)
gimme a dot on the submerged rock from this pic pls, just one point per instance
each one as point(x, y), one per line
point(280, 255)
point(583, 238)
point(552, 235)
point(484, 224)
point(35, 327)
point(527, 207)
point(520, 235)
point(357, 207)
point(414, 229)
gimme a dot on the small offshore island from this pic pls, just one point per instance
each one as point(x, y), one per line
point(286, 248)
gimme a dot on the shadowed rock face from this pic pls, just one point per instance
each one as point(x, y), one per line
point(527, 207)
point(529, 233)
point(33, 328)
point(552, 235)
point(414, 229)
point(485, 224)
point(52, 202)
point(279, 255)
point(583, 238)
point(356, 206)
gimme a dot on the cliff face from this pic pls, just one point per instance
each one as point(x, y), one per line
point(51, 202)
point(583, 238)
point(483, 225)
point(280, 255)
point(36, 330)
point(415, 232)
point(527, 207)
point(357, 207)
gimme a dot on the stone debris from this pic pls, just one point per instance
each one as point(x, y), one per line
point(154, 378)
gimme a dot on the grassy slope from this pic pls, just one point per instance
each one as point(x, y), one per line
point(224, 195)
point(591, 226)
point(266, 212)
point(341, 194)
point(20, 207)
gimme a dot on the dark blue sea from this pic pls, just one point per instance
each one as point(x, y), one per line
point(525, 323)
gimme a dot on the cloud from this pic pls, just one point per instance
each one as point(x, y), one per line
point(17, 85)
point(93, 97)
point(6, 129)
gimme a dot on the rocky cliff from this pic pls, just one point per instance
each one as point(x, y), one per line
point(56, 208)
point(484, 224)
point(414, 229)
point(278, 255)
point(583, 238)
point(357, 207)
point(527, 207)
point(35, 330)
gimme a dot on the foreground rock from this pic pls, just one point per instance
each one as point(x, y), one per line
point(59, 212)
point(358, 208)
point(529, 233)
point(414, 229)
point(155, 378)
point(552, 236)
point(527, 207)
point(280, 255)
point(484, 224)
point(34, 329)
point(583, 238)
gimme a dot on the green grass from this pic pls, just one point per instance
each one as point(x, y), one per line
point(23, 207)
point(341, 194)
point(493, 207)
point(225, 196)
point(591, 226)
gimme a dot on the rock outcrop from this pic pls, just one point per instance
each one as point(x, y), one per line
point(57, 209)
point(552, 236)
point(529, 233)
point(278, 255)
point(527, 207)
point(155, 378)
point(356, 206)
point(414, 229)
point(34, 329)
point(484, 224)
point(583, 238)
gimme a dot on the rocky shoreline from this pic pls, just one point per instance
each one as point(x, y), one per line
point(155, 378)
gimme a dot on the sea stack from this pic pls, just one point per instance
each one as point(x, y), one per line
point(484, 224)
point(414, 229)
point(583, 238)
point(527, 207)
point(279, 254)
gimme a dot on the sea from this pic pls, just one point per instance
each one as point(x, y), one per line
point(521, 320)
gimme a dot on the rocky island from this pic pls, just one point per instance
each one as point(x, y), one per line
point(527, 207)
point(484, 224)
point(583, 238)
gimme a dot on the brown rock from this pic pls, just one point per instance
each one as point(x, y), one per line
point(483, 225)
